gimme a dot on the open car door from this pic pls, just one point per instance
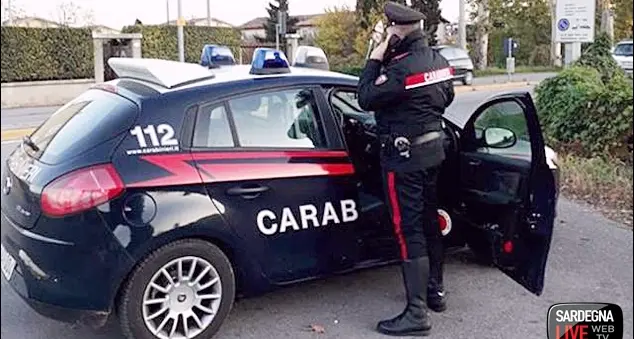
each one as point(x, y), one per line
point(507, 192)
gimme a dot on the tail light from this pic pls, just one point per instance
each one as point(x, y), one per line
point(81, 190)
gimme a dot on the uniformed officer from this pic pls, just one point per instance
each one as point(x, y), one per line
point(409, 85)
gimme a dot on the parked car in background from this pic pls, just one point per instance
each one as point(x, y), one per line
point(623, 55)
point(460, 60)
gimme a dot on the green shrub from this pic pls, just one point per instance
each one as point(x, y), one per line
point(598, 56)
point(32, 54)
point(161, 41)
point(580, 112)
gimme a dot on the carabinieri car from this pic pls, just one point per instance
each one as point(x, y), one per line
point(162, 195)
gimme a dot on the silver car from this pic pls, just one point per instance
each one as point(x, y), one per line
point(460, 60)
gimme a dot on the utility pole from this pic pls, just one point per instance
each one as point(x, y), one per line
point(180, 35)
point(555, 47)
point(462, 25)
point(209, 13)
point(167, 10)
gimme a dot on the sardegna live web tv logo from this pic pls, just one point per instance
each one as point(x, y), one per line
point(585, 321)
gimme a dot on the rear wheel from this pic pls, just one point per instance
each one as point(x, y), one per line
point(182, 290)
point(468, 78)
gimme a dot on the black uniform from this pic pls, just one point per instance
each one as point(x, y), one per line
point(409, 92)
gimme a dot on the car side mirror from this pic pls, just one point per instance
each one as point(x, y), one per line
point(497, 137)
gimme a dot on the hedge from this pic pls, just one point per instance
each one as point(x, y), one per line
point(32, 54)
point(161, 42)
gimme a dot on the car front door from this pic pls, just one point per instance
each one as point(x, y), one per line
point(507, 191)
point(281, 180)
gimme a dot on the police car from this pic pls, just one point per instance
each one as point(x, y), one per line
point(162, 195)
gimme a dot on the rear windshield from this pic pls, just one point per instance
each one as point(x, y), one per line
point(85, 122)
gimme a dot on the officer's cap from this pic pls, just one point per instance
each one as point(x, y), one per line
point(402, 15)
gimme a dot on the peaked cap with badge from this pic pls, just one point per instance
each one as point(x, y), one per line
point(402, 15)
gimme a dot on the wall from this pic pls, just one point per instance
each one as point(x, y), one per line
point(42, 93)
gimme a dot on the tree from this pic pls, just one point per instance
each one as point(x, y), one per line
point(482, 34)
point(335, 30)
point(622, 19)
point(271, 21)
point(11, 10)
point(431, 9)
point(72, 14)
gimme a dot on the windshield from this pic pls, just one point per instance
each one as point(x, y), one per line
point(623, 49)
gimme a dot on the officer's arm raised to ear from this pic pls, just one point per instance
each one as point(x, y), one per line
point(377, 89)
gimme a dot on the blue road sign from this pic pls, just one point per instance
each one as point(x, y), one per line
point(563, 24)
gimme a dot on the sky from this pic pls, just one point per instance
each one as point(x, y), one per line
point(118, 13)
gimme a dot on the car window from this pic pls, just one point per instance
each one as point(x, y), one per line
point(447, 53)
point(508, 115)
point(92, 118)
point(286, 119)
point(623, 50)
point(212, 127)
point(460, 53)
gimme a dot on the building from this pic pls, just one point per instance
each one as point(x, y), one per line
point(306, 27)
point(203, 22)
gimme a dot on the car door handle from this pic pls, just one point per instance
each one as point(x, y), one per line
point(474, 162)
point(247, 191)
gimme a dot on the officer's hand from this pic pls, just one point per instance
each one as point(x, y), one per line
point(379, 52)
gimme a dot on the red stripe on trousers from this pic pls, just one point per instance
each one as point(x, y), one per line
point(396, 214)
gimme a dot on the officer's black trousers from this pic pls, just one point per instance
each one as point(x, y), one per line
point(412, 198)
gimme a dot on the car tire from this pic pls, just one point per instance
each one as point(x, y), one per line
point(468, 79)
point(185, 296)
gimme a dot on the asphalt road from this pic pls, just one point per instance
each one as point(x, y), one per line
point(590, 260)
point(33, 116)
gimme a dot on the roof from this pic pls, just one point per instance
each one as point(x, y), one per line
point(302, 21)
point(167, 75)
point(202, 19)
point(16, 21)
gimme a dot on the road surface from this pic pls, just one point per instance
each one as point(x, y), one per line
point(590, 260)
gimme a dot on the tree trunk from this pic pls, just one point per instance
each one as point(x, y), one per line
point(482, 35)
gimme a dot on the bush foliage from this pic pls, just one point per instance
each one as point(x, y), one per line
point(161, 42)
point(33, 54)
point(587, 108)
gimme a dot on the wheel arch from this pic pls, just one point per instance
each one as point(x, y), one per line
point(228, 247)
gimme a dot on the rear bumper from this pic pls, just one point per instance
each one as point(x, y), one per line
point(61, 278)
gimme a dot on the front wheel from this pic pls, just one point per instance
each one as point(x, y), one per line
point(182, 290)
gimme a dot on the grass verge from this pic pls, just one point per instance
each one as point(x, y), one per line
point(520, 69)
point(606, 184)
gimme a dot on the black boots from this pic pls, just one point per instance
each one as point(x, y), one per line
point(414, 320)
point(435, 291)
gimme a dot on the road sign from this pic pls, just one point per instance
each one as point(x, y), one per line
point(575, 21)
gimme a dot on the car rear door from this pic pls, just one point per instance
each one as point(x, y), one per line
point(282, 180)
point(506, 189)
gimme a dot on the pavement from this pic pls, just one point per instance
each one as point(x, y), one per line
point(18, 122)
point(591, 259)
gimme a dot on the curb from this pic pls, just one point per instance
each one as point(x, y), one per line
point(16, 134)
point(492, 87)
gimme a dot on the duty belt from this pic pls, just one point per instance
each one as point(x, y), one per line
point(403, 144)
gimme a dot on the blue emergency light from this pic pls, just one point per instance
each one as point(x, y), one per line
point(269, 61)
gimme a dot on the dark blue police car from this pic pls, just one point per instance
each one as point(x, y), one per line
point(163, 194)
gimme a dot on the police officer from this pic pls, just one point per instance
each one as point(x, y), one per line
point(408, 85)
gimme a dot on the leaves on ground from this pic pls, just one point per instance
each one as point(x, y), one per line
point(317, 328)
